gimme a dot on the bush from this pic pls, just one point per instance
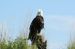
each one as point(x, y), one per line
point(19, 43)
point(71, 46)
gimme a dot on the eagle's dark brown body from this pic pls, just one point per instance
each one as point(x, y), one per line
point(35, 28)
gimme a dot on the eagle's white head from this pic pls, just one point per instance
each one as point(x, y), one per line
point(40, 12)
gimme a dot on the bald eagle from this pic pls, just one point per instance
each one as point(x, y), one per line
point(36, 25)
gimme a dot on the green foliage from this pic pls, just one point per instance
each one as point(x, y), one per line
point(72, 46)
point(19, 43)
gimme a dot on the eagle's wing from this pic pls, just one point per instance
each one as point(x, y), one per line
point(36, 25)
point(32, 28)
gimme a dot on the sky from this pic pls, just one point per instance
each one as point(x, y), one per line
point(59, 15)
